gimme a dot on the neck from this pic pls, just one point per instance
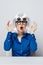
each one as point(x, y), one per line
point(20, 34)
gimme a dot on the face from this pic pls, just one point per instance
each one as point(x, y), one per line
point(21, 26)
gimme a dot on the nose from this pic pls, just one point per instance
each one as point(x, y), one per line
point(21, 23)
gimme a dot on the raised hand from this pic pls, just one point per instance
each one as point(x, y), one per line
point(33, 28)
point(9, 26)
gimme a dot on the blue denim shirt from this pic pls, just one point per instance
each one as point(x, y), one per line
point(23, 48)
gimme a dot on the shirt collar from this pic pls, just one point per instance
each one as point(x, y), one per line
point(15, 35)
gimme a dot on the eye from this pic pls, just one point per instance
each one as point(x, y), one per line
point(19, 22)
point(24, 22)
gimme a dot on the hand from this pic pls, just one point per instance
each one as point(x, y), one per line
point(33, 28)
point(9, 26)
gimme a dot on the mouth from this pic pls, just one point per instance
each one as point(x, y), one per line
point(21, 28)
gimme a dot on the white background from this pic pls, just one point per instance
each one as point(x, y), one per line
point(21, 61)
point(34, 10)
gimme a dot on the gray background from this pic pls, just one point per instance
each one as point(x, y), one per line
point(34, 10)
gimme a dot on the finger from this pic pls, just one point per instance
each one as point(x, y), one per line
point(8, 22)
point(35, 24)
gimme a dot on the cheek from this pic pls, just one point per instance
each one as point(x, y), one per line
point(24, 27)
point(18, 27)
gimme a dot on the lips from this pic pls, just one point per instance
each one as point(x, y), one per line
point(21, 28)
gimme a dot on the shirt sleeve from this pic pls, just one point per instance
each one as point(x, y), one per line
point(33, 43)
point(8, 42)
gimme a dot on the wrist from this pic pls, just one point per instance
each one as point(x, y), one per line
point(31, 32)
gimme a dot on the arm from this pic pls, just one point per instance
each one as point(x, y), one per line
point(8, 42)
point(33, 45)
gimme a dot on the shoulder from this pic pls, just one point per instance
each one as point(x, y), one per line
point(14, 34)
point(30, 35)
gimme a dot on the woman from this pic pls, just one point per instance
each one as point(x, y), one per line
point(21, 42)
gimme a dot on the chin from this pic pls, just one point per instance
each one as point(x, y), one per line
point(21, 31)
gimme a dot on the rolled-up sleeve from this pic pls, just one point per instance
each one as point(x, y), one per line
point(8, 42)
point(33, 43)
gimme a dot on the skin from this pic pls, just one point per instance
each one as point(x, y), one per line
point(33, 28)
point(21, 29)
